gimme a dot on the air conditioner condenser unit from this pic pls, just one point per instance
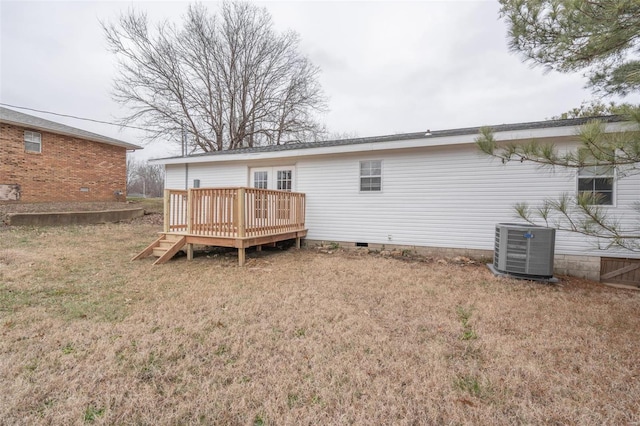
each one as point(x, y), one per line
point(524, 250)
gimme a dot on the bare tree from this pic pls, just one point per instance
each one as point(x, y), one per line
point(144, 178)
point(334, 136)
point(219, 81)
point(132, 170)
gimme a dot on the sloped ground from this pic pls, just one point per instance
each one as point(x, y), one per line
point(300, 337)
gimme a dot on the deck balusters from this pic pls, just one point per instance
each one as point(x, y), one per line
point(233, 212)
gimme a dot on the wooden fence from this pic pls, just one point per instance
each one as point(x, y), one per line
point(233, 212)
point(620, 271)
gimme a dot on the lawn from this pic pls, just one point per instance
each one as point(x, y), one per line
point(300, 337)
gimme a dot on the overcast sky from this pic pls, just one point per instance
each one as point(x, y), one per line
point(387, 67)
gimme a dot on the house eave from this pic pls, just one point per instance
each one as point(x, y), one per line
point(417, 142)
point(88, 137)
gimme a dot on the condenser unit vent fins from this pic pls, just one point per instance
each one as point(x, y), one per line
point(524, 249)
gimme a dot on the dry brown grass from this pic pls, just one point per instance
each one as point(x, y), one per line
point(299, 338)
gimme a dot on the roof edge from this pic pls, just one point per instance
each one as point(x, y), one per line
point(428, 134)
point(20, 119)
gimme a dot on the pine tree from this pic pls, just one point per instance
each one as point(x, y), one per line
point(600, 37)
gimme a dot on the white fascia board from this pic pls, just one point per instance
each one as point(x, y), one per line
point(427, 141)
point(93, 138)
point(555, 132)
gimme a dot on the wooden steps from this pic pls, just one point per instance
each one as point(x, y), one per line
point(168, 244)
point(164, 248)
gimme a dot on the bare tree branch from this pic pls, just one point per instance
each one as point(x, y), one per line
point(144, 178)
point(228, 80)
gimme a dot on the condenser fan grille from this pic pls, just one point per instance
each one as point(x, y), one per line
point(524, 250)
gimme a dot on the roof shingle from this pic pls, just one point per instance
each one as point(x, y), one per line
point(415, 135)
point(10, 116)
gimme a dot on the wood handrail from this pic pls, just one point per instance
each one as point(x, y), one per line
point(236, 212)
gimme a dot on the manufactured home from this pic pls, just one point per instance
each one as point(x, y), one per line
point(431, 191)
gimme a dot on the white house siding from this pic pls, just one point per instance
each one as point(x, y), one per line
point(210, 175)
point(443, 196)
point(436, 197)
point(174, 176)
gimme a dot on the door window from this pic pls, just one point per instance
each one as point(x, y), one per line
point(280, 178)
point(261, 179)
point(284, 180)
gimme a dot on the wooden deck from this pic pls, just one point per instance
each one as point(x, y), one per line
point(227, 217)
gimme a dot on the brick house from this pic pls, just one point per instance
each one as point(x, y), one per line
point(45, 161)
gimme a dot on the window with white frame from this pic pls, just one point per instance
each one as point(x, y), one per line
point(597, 181)
point(284, 180)
point(32, 141)
point(371, 176)
point(261, 179)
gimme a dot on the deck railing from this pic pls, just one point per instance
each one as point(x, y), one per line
point(175, 210)
point(233, 212)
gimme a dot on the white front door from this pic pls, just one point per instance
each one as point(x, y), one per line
point(280, 178)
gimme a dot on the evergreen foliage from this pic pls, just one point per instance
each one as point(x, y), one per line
point(601, 37)
point(596, 108)
point(582, 213)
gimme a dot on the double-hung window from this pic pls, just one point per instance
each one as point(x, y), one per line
point(32, 141)
point(371, 176)
point(597, 181)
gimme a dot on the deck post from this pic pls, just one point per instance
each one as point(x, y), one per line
point(241, 215)
point(241, 256)
point(189, 210)
point(167, 211)
point(241, 225)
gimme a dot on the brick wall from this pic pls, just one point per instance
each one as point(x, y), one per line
point(67, 169)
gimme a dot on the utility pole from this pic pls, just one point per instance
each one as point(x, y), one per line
point(184, 139)
point(184, 154)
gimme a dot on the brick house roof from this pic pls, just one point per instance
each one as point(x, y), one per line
point(10, 116)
